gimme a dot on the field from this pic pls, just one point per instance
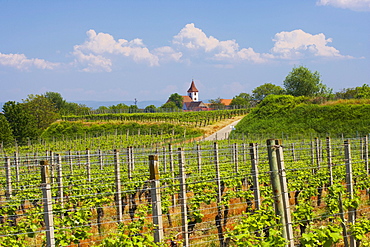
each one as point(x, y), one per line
point(104, 197)
point(151, 180)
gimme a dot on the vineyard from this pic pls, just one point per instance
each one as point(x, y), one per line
point(229, 193)
point(192, 118)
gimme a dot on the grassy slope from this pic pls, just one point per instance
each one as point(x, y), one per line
point(297, 116)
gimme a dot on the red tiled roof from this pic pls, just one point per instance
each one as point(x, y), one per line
point(186, 99)
point(192, 88)
point(226, 101)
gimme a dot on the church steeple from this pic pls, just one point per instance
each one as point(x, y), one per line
point(193, 92)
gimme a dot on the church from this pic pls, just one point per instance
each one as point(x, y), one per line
point(191, 101)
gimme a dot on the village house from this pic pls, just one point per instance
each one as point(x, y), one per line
point(191, 101)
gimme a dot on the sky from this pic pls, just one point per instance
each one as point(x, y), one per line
point(147, 50)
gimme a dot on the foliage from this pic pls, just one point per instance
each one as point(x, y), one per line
point(150, 108)
point(176, 99)
point(362, 92)
point(56, 99)
point(42, 109)
point(170, 105)
point(64, 129)
point(292, 115)
point(252, 229)
point(6, 135)
point(302, 82)
point(131, 234)
point(22, 122)
point(259, 93)
point(243, 99)
point(325, 236)
point(71, 108)
point(216, 103)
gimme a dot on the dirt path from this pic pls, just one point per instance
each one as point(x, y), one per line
point(220, 130)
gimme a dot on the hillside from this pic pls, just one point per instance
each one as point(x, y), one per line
point(297, 116)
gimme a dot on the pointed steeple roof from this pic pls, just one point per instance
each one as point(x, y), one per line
point(192, 88)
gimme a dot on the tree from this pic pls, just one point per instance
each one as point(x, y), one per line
point(259, 93)
point(362, 92)
point(56, 99)
point(177, 99)
point(169, 106)
point(150, 108)
point(133, 109)
point(43, 109)
point(6, 135)
point(216, 103)
point(119, 107)
point(302, 82)
point(21, 121)
point(76, 109)
point(243, 99)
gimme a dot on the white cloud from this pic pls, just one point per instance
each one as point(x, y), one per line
point(92, 63)
point(356, 5)
point(167, 53)
point(298, 44)
point(97, 46)
point(194, 39)
point(21, 62)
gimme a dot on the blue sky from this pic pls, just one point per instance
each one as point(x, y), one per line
point(122, 50)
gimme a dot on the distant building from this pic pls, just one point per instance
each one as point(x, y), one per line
point(193, 92)
point(226, 102)
point(191, 101)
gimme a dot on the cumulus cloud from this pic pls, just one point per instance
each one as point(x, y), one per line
point(21, 62)
point(95, 49)
point(356, 5)
point(298, 44)
point(167, 53)
point(194, 39)
point(92, 63)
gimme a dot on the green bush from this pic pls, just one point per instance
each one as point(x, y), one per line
point(296, 116)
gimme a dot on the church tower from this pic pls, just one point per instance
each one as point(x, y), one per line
point(193, 92)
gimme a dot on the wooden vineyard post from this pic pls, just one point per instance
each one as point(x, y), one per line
point(172, 170)
point(366, 154)
point(16, 163)
point(244, 152)
point(47, 202)
point(235, 157)
point(219, 215)
point(317, 152)
point(199, 159)
point(280, 209)
point(129, 167)
point(313, 157)
point(118, 196)
point(88, 165)
point(132, 157)
point(349, 182)
point(51, 164)
point(8, 174)
point(293, 153)
point(156, 198)
point(70, 161)
point(183, 199)
point(285, 193)
point(101, 163)
point(164, 159)
point(60, 180)
point(330, 162)
point(256, 185)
